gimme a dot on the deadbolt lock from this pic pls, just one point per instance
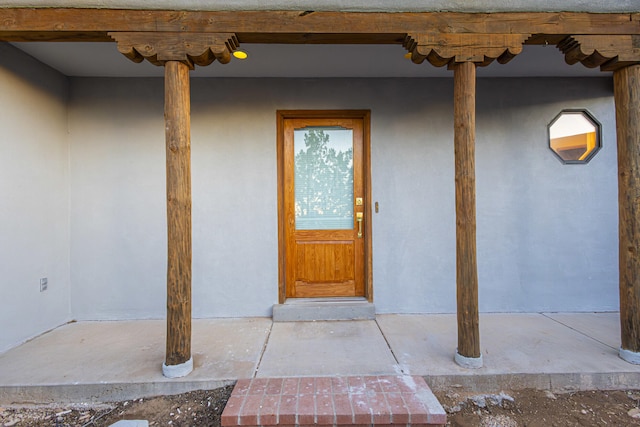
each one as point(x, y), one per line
point(358, 201)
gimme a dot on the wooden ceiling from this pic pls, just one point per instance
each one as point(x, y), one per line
point(609, 40)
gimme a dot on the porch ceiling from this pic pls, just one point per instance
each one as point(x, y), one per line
point(325, 44)
point(316, 60)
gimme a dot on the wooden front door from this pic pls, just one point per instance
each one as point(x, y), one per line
point(323, 206)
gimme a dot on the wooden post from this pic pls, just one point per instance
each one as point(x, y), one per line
point(626, 83)
point(178, 145)
point(178, 52)
point(464, 106)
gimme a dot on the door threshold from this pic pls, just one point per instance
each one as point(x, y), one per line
point(328, 300)
point(316, 309)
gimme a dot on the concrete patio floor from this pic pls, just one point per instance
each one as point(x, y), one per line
point(105, 361)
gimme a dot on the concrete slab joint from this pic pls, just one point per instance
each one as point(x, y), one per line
point(178, 371)
point(629, 356)
point(468, 362)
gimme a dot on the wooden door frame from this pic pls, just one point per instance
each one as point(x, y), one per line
point(365, 116)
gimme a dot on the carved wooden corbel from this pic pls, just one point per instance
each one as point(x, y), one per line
point(189, 48)
point(482, 49)
point(607, 52)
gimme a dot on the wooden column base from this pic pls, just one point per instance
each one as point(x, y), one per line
point(629, 356)
point(468, 362)
point(178, 371)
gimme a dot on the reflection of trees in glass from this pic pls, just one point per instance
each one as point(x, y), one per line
point(323, 178)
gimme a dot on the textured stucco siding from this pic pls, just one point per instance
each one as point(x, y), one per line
point(34, 194)
point(547, 232)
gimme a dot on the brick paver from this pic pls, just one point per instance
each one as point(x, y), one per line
point(339, 401)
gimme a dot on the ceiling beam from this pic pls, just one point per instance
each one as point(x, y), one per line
point(60, 24)
point(609, 53)
point(481, 49)
point(189, 48)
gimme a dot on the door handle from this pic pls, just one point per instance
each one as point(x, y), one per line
point(359, 218)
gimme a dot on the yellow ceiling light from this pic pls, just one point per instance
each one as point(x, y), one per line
point(240, 54)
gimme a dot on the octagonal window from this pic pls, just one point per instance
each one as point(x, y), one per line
point(574, 136)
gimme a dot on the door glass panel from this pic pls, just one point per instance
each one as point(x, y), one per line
point(323, 178)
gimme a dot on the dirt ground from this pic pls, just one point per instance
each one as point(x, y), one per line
point(530, 408)
point(535, 408)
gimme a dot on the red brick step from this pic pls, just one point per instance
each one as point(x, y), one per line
point(333, 401)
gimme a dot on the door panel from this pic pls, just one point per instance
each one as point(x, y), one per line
point(325, 269)
point(323, 207)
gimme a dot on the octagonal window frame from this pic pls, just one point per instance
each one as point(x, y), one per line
point(589, 117)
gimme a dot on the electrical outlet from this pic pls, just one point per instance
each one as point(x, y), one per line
point(44, 284)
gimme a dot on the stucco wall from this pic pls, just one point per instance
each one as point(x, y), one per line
point(346, 5)
point(34, 194)
point(547, 232)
